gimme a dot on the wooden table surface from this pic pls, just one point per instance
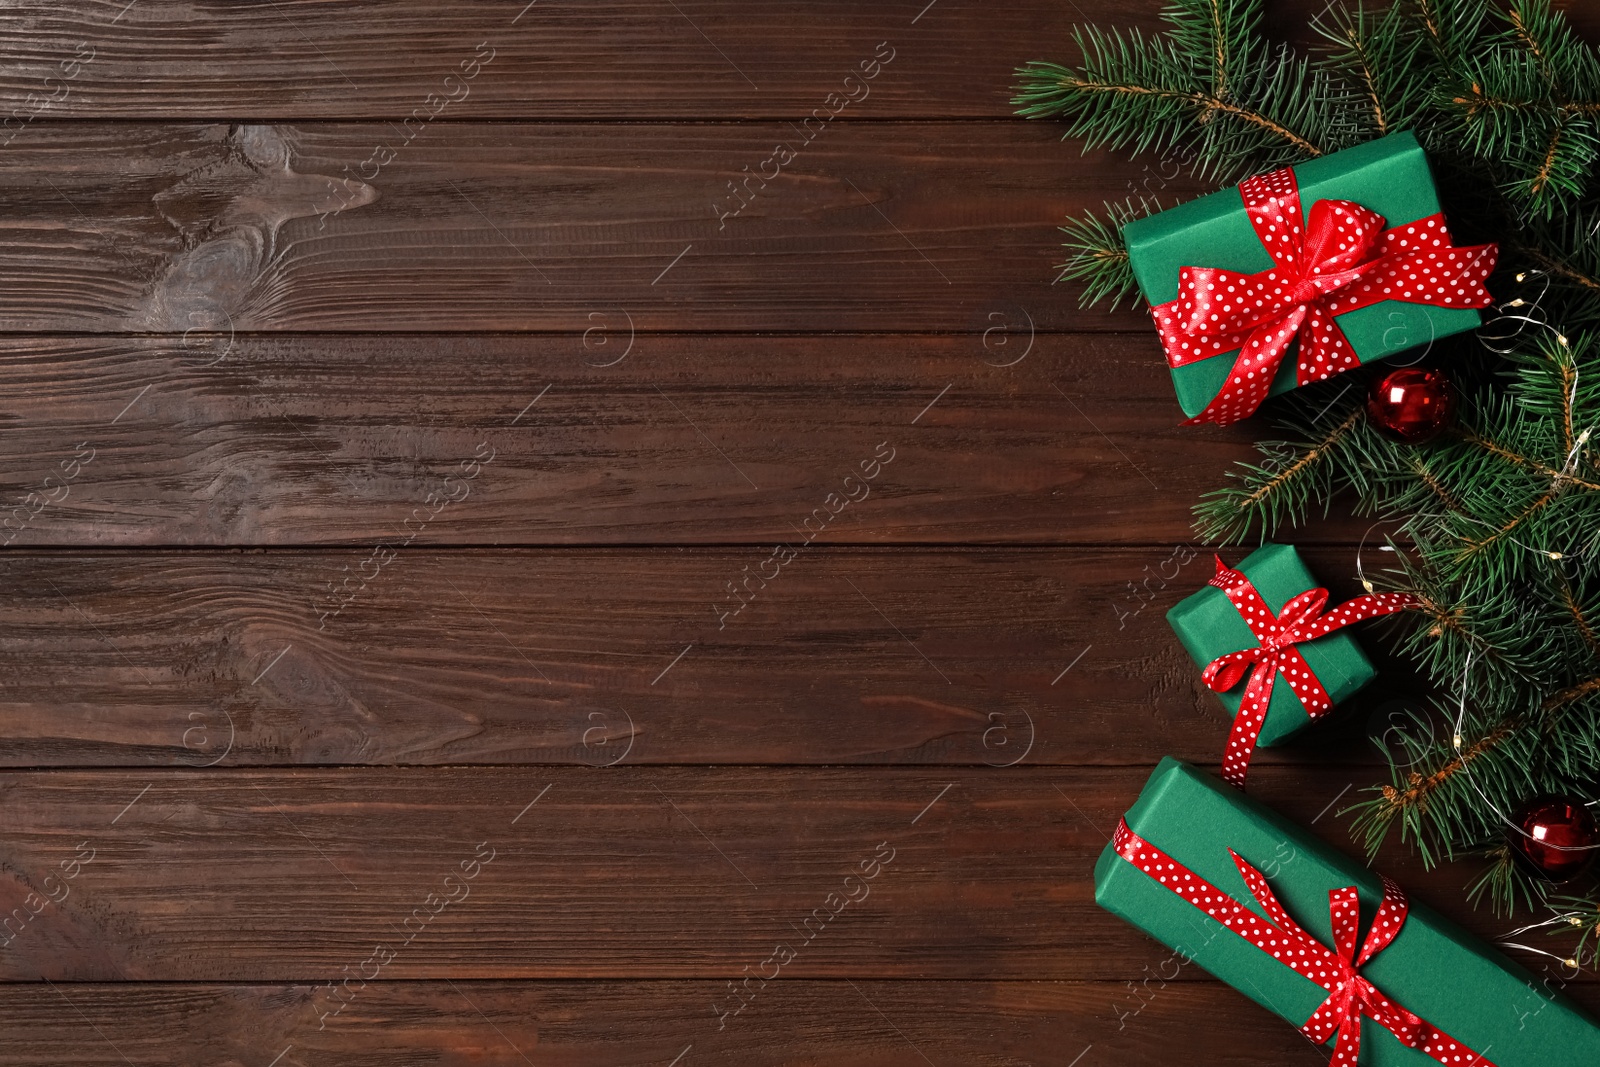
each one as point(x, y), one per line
point(400, 407)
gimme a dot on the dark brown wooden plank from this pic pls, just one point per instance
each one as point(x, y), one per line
point(611, 1024)
point(583, 656)
point(616, 59)
point(513, 226)
point(600, 436)
point(636, 872)
point(294, 59)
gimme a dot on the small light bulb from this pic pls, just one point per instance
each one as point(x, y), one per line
point(1518, 301)
point(1522, 277)
point(1574, 920)
point(1554, 555)
point(1571, 963)
point(1456, 741)
point(1561, 339)
point(1365, 584)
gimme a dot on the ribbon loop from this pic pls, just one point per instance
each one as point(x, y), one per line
point(1303, 618)
point(1341, 259)
point(1340, 235)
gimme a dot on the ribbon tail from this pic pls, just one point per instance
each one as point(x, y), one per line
point(1347, 1046)
point(1324, 348)
point(1247, 723)
point(1359, 609)
point(1253, 371)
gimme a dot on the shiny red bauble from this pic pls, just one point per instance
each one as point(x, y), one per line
point(1411, 405)
point(1557, 838)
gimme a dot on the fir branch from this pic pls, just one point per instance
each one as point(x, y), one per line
point(1504, 884)
point(1219, 83)
point(1276, 483)
point(1581, 913)
point(1049, 93)
point(1210, 87)
point(1559, 268)
point(1283, 488)
point(1527, 101)
point(1214, 105)
point(1450, 620)
point(1580, 619)
point(1569, 382)
point(1449, 26)
point(1503, 516)
point(1523, 33)
point(1472, 546)
point(1541, 177)
point(1558, 477)
point(1411, 803)
point(1566, 251)
point(1572, 694)
point(1375, 58)
point(1097, 256)
point(1420, 468)
point(1218, 29)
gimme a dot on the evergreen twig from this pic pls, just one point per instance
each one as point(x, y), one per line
point(1500, 520)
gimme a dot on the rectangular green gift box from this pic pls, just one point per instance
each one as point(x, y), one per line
point(1208, 626)
point(1389, 176)
point(1432, 968)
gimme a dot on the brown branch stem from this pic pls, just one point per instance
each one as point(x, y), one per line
point(1207, 103)
point(1271, 484)
point(1419, 789)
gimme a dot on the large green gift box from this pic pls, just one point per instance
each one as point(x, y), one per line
point(1390, 176)
point(1209, 626)
point(1432, 968)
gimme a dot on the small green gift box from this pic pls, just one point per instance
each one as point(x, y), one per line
point(1169, 872)
point(1389, 177)
point(1210, 626)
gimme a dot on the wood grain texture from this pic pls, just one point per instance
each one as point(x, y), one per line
point(615, 59)
point(601, 436)
point(801, 1023)
point(612, 59)
point(627, 873)
point(299, 59)
point(550, 662)
point(193, 229)
point(584, 656)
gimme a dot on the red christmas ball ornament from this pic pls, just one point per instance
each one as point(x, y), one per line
point(1411, 405)
point(1558, 836)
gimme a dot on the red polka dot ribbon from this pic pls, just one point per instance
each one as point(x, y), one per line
point(1302, 619)
point(1350, 995)
point(1341, 259)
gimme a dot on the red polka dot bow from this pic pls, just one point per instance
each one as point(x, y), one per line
point(1302, 619)
point(1351, 996)
point(1339, 260)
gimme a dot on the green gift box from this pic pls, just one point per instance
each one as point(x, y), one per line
point(1432, 968)
point(1209, 626)
point(1389, 176)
